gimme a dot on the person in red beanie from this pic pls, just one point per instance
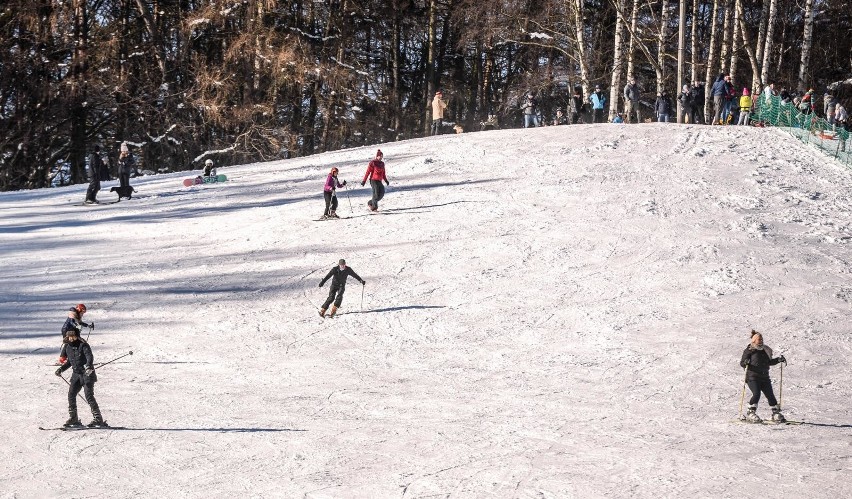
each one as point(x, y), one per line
point(376, 174)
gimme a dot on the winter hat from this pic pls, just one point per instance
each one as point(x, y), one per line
point(686, 88)
point(124, 147)
point(597, 87)
point(745, 91)
point(379, 153)
point(342, 262)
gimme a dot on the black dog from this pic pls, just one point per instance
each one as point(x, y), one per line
point(123, 192)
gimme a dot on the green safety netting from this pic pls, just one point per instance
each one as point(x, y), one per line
point(807, 127)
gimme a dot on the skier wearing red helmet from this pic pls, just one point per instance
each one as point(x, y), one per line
point(75, 323)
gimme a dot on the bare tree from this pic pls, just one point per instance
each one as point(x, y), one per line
point(807, 41)
point(770, 33)
point(617, 61)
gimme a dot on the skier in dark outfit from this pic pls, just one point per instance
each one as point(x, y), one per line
point(81, 361)
point(338, 277)
point(376, 173)
point(756, 359)
point(96, 166)
point(74, 322)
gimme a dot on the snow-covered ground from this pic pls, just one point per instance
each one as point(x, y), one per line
point(557, 312)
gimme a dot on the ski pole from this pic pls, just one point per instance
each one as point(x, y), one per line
point(781, 387)
point(362, 297)
point(346, 189)
point(91, 327)
point(115, 359)
point(742, 398)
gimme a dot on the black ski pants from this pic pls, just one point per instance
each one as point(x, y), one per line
point(378, 193)
point(335, 294)
point(330, 202)
point(757, 385)
point(76, 384)
point(124, 179)
point(94, 187)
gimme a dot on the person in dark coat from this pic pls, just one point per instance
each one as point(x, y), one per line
point(663, 107)
point(74, 322)
point(685, 99)
point(697, 96)
point(81, 362)
point(338, 277)
point(376, 174)
point(96, 167)
point(756, 359)
point(126, 165)
point(576, 106)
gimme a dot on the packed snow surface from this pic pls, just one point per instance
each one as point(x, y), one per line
point(555, 312)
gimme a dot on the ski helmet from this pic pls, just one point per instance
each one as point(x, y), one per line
point(208, 162)
point(334, 171)
point(342, 262)
point(80, 308)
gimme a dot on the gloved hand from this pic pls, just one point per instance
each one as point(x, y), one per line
point(89, 371)
point(62, 360)
point(92, 325)
point(363, 282)
point(320, 285)
point(362, 184)
point(782, 359)
point(387, 182)
point(58, 372)
point(747, 362)
point(344, 183)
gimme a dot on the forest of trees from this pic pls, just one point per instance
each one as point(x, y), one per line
point(254, 80)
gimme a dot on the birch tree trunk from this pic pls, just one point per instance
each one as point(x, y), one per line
point(807, 40)
point(755, 72)
point(634, 17)
point(770, 32)
point(661, 46)
point(681, 56)
point(735, 44)
point(581, 47)
point(615, 83)
point(693, 43)
point(761, 31)
point(727, 31)
point(430, 68)
point(711, 61)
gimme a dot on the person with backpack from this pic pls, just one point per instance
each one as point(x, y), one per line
point(756, 360)
point(376, 174)
point(338, 275)
point(331, 184)
point(598, 101)
point(745, 108)
point(96, 167)
point(81, 361)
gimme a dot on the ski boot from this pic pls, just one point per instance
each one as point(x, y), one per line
point(73, 420)
point(98, 423)
point(777, 416)
point(333, 311)
point(322, 313)
point(333, 214)
point(751, 416)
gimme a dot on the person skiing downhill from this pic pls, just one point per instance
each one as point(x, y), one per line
point(75, 323)
point(81, 361)
point(756, 359)
point(331, 183)
point(338, 276)
point(376, 174)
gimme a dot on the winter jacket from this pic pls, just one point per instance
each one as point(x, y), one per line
point(730, 93)
point(663, 105)
point(338, 277)
point(840, 114)
point(330, 183)
point(530, 105)
point(745, 103)
point(96, 166)
point(375, 171)
point(598, 100)
point(685, 99)
point(697, 95)
point(80, 358)
point(719, 87)
point(631, 92)
point(438, 106)
point(125, 165)
point(73, 322)
point(758, 362)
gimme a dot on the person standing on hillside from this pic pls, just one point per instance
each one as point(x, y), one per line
point(756, 359)
point(74, 322)
point(376, 174)
point(81, 361)
point(126, 164)
point(718, 93)
point(338, 276)
point(698, 96)
point(576, 106)
point(631, 100)
point(438, 107)
point(685, 98)
point(663, 106)
point(96, 167)
point(530, 110)
point(598, 101)
point(745, 108)
point(331, 184)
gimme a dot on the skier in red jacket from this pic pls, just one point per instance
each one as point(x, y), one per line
point(376, 174)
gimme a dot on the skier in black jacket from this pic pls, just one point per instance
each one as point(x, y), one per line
point(338, 277)
point(756, 359)
point(81, 361)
